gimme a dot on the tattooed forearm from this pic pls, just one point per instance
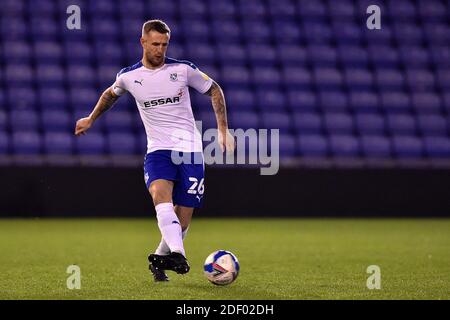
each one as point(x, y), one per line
point(218, 103)
point(107, 99)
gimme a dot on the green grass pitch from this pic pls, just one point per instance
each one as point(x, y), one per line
point(280, 258)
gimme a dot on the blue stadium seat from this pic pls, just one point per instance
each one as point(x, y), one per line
point(56, 120)
point(367, 102)
point(426, 103)
point(3, 120)
point(44, 28)
point(437, 147)
point(83, 98)
point(91, 144)
point(78, 52)
point(296, 78)
point(240, 100)
point(235, 76)
point(162, 8)
point(119, 121)
point(402, 10)
point(256, 31)
point(107, 52)
point(132, 8)
point(432, 125)
point(243, 120)
point(395, 102)
point(194, 9)
point(228, 31)
point(413, 56)
point(12, 7)
point(322, 55)
point(375, 146)
point(432, 10)
point(338, 123)
point(130, 29)
point(408, 33)
point(312, 145)
point(358, 79)
point(22, 97)
point(292, 55)
point(13, 28)
point(287, 145)
point(121, 143)
point(261, 55)
point(342, 10)
point(80, 75)
point(370, 124)
point(19, 75)
point(58, 143)
point(102, 8)
point(378, 37)
point(308, 123)
point(175, 50)
point(317, 32)
point(52, 98)
point(221, 9)
point(4, 143)
point(288, 29)
point(276, 120)
point(407, 146)
point(389, 79)
point(440, 56)
point(133, 52)
point(347, 32)
point(202, 53)
point(26, 142)
point(302, 100)
point(251, 9)
point(342, 145)
point(383, 55)
point(327, 78)
point(281, 9)
point(333, 101)
point(401, 124)
point(271, 100)
point(24, 120)
point(437, 33)
point(443, 78)
point(231, 54)
point(50, 75)
point(446, 101)
point(266, 78)
point(420, 80)
point(106, 75)
point(16, 52)
point(47, 52)
point(195, 30)
point(353, 56)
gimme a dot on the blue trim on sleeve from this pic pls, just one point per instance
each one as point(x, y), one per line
point(171, 61)
point(131, 68)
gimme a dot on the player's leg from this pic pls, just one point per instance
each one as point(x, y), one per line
point(184, 214)
point(168, 222)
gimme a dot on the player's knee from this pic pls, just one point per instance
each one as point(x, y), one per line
point(159, 195)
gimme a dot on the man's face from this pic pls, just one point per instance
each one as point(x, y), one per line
point(155, 47)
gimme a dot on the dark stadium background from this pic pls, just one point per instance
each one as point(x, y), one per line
point(363, 114)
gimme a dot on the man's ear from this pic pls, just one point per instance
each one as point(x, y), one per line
point(142, 41)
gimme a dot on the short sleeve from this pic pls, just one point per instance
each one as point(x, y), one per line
point(198, 80)
point(119, 86)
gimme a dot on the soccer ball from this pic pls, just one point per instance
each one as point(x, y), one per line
point(221, 267)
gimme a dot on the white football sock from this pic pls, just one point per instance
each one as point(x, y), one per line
point(163, 249)
point(170, 227)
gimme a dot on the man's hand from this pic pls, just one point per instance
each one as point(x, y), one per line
point(226, 141)
point(82, 126)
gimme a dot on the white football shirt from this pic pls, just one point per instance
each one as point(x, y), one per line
point(162, 98)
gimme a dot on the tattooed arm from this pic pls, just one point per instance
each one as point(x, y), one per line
point(226, 140)
point(107, 99)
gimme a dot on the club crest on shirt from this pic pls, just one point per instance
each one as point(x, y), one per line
point(173, 77)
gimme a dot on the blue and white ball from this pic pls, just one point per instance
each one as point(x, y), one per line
point(221, 267)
